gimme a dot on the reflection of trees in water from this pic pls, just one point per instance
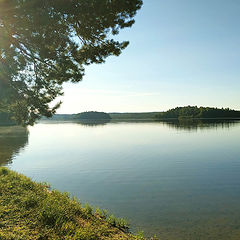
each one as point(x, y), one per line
point(12, 140)
point(192, 125)
point(93, 123)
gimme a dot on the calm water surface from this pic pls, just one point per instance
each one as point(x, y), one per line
point(178, 181)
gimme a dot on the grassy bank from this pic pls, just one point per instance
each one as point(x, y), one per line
point(29, 210)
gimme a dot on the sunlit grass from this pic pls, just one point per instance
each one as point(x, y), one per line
point(30, 210)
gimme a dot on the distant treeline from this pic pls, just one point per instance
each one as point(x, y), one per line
point(91, 115)
point(189, 112)
point(133, 116)
point(181, 113)
point(102, 116)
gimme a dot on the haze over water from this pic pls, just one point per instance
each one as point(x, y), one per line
point(178, 181)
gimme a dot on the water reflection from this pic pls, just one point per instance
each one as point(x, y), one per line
point(192, 125)
point(12, 140)
point(84, 122)
point(93, 123)
point(178, 181)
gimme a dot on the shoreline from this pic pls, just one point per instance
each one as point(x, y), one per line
point(31, 210)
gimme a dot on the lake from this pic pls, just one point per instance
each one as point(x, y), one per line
point(180, 181)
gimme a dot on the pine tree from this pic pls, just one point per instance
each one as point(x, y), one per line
point(44, 43)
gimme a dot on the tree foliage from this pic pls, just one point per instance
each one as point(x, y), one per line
point(93, 116)
point(44, 43)
point(198, 112)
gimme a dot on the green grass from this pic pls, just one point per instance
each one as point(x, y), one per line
point(29, 210)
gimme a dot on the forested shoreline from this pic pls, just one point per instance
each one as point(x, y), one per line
point(191, 112)
point(187, 112)
point(180, 113)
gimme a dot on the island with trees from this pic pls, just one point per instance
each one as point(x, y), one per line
point(44, 44)
point(194, 112)
point(92, 115)
point(178, 113)
point(92, 118)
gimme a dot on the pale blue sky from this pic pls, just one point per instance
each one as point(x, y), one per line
point(182, 52)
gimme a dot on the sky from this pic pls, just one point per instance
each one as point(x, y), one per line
point(181, 53)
